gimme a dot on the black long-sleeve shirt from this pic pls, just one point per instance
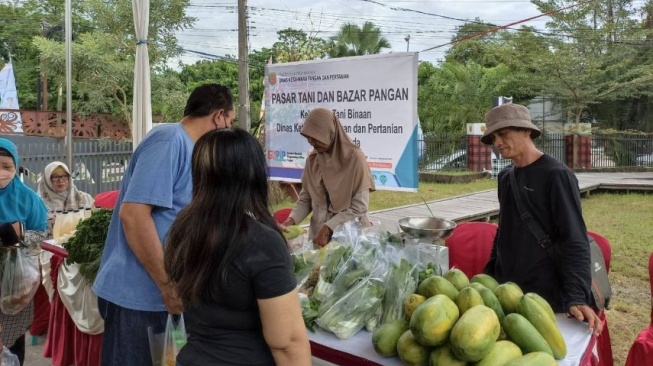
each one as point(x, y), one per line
point(551, 195)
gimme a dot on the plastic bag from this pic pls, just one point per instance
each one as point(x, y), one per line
point(20, 279)
point(360, 304)
point(8, 358)
point(175, 338)
point(164, 347)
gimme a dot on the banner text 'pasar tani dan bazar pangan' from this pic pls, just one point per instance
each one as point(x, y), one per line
point(340, 96)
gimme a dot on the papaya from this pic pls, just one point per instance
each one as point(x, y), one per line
point(293, 232)
point(521, 332)
point(477, 286)
point(500, 354)
point(542, 322)
point(467, 299)
point(411, 302)
point(508, 295)
point(457, 278)
point(442, 356)
point(490, 300)
point(432, 321)
point(485, 280)
point(533, 359)
point(385, 337)
point(435, 285)
point(543, 303)
point(410, 352)
point(474, 334)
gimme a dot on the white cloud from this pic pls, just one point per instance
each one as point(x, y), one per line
point(215, 31)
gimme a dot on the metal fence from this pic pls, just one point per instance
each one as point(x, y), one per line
point(598, 151)
point(98, 164)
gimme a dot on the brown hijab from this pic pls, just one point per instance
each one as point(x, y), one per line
point(343, 167)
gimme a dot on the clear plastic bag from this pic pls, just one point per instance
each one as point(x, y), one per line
point(164, 347)
point(8, 358)
point(175, 338)
point(20, 280)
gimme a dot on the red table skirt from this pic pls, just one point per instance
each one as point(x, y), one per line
point(65, 344)
point(41, 312)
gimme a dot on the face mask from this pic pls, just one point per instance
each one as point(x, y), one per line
point(6, 177)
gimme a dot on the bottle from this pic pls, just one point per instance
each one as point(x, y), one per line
point(56, 227)
point(77, 217)
point(87, 212)
point(68, 224)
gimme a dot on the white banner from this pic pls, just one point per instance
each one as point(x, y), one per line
point(10, 122)
point(375, 98)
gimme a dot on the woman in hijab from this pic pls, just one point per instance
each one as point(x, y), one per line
point(336, 182)
point(59, 192)
point(23, 210)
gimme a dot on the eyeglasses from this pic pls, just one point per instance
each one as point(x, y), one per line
point(60, 178)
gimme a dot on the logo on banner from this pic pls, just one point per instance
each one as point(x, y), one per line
point(272, 78)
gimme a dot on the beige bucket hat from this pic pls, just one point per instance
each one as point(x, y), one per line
point(508, 115)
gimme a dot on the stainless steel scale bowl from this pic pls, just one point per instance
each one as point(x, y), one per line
point(434, 228)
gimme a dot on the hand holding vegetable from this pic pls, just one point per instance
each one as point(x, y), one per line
point(323, 236)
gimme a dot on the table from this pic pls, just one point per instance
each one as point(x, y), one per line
point(358, 350)
point(65, 343)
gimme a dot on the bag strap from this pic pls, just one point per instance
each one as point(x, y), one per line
point(542, 238)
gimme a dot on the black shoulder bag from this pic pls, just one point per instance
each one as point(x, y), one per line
point(601, 289)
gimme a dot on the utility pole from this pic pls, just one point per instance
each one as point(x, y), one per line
point(69, 96)
point(243, 72)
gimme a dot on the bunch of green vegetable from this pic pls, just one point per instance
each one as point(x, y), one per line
point(86, 246)
point(356, 307)
point(401, 282)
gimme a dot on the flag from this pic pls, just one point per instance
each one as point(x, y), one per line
point(10, 122)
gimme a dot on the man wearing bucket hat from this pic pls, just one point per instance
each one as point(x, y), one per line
point(549, 191)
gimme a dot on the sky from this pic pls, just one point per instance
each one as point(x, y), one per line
point(427, 22)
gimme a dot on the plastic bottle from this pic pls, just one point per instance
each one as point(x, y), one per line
point(56, 227)
point(87, 212)
point(68, 224)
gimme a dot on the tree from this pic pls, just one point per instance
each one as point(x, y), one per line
point(482, 50)
point(103, 54)
point(296, 45)
point(353, 40)
point(16, 33)
point(456, 94)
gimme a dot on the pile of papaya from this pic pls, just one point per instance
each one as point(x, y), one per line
point(453, 320)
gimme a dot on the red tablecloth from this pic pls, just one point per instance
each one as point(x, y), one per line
point(41, 313)
point(65, 344)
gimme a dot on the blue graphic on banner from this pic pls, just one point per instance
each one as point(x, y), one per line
point(406, 171)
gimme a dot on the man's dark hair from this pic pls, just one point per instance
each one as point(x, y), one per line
point(207, 99)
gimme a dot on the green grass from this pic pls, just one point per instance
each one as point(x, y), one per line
point(625, 219)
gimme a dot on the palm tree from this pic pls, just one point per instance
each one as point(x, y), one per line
point(353, 40)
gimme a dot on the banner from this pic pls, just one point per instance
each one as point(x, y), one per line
point(375, 98)
point(10, 122)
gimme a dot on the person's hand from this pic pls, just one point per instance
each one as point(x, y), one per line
point(586, 313)
point(323, 236)
point(284, 226)
point(171, 299)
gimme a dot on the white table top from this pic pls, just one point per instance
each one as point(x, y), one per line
point(576, 335)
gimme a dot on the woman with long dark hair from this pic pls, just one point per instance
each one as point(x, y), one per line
point(231, 264)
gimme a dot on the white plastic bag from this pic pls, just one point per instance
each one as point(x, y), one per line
point(8, 358)
point(20, 279)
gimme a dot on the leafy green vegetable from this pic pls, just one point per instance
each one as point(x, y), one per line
point(401, 282)
point(354, 309)
point(87, 245)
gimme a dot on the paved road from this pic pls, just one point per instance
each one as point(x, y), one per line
point(34, 353)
